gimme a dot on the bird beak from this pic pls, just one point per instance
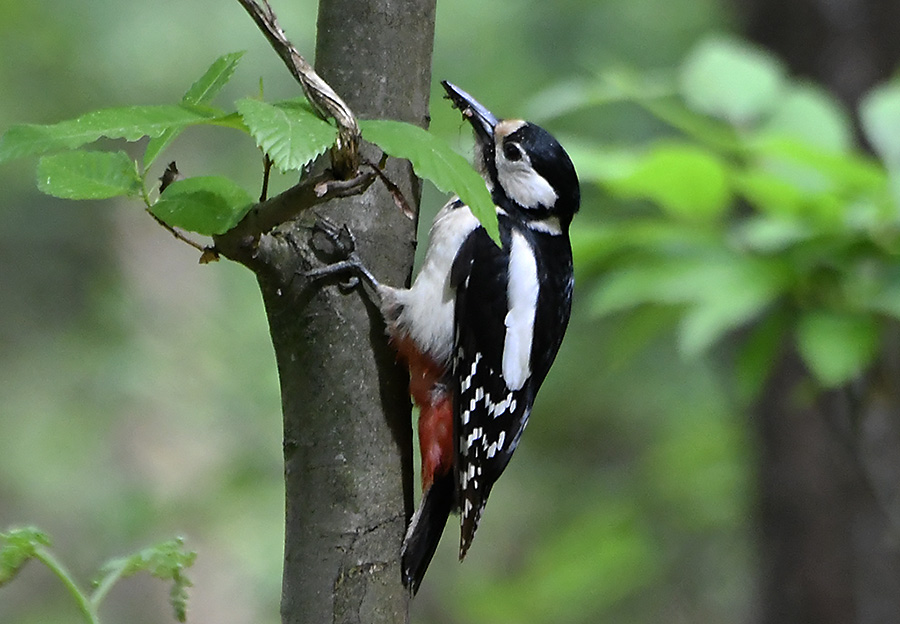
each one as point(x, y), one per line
point(481, 118)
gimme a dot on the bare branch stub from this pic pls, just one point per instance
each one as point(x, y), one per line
point(327, 103)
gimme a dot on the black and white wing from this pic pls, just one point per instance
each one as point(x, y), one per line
point(493, 387)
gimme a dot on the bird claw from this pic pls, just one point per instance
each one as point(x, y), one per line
point(334, 241)
point(338, 245)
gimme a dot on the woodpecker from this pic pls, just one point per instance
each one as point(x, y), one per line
point(481, 325)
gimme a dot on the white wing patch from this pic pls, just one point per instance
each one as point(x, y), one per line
point(522, 301)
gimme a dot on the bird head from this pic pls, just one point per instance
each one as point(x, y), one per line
point(528, 172)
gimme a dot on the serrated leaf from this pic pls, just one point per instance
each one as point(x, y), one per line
point(289, 132)
point(731, 80)
point(88, 175)
point(201, 92)
point(130, 123)
point(166, 561)
point(434, 160)
point(161, 560)
point(207, 205)
point(17, 546)
point(837, 347)
point(213, 80)
point(685, 181)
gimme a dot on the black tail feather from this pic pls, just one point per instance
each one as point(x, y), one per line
point(425, 530)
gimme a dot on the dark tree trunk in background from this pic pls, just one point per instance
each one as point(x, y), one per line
point(347, 434)
point(830, 463)
point(808, 500)
point(846, 45)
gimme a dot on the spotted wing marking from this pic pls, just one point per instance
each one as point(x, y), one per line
point(484, 443)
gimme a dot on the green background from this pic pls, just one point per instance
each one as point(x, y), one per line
point(138, 393)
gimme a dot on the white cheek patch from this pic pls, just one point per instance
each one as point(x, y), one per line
point(522, 301)
point(524, 185)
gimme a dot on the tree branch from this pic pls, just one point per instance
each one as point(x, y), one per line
point(240, 242)
point(327, 103)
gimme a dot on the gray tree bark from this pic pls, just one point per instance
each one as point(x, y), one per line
point(347, 434)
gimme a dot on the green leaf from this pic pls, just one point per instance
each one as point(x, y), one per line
point(201, 92)
point(433, 159)
point(207, 205)
point(837, 346)
point(669, 281)
point(880, 117)
point(596, 244)
point(731, 80)
point(166, 561)
point(882, 296)
point(213, 80)
point(769, 193)
point(846, 172)
point(757, 355)
point(686, 181)
point(879, 114)
point(718, 292)
point(600, 164)
point(740, 294)
point(88, 175)
point(811, 115)
point(766, 234)
point(706, 130)
point(17, 546)
point(130, 123)
point(289, 132)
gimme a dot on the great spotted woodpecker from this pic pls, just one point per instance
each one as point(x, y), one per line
point(481, 324)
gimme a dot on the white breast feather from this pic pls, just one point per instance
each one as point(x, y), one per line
point(522, 300)
point(427, 307)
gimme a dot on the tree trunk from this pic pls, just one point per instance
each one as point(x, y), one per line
point(347, 434)
point(806, 514)
point(830, 462)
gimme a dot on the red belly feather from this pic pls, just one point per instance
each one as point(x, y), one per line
point(428, 390)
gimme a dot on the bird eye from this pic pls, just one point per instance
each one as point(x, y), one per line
point(512, 151)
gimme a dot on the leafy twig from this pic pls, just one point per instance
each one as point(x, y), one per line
point(327, 103)
point(166, 561)
point(86, 606)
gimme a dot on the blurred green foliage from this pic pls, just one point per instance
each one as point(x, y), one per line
point(760, 207)
point(166, 561)
point(138, 395)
